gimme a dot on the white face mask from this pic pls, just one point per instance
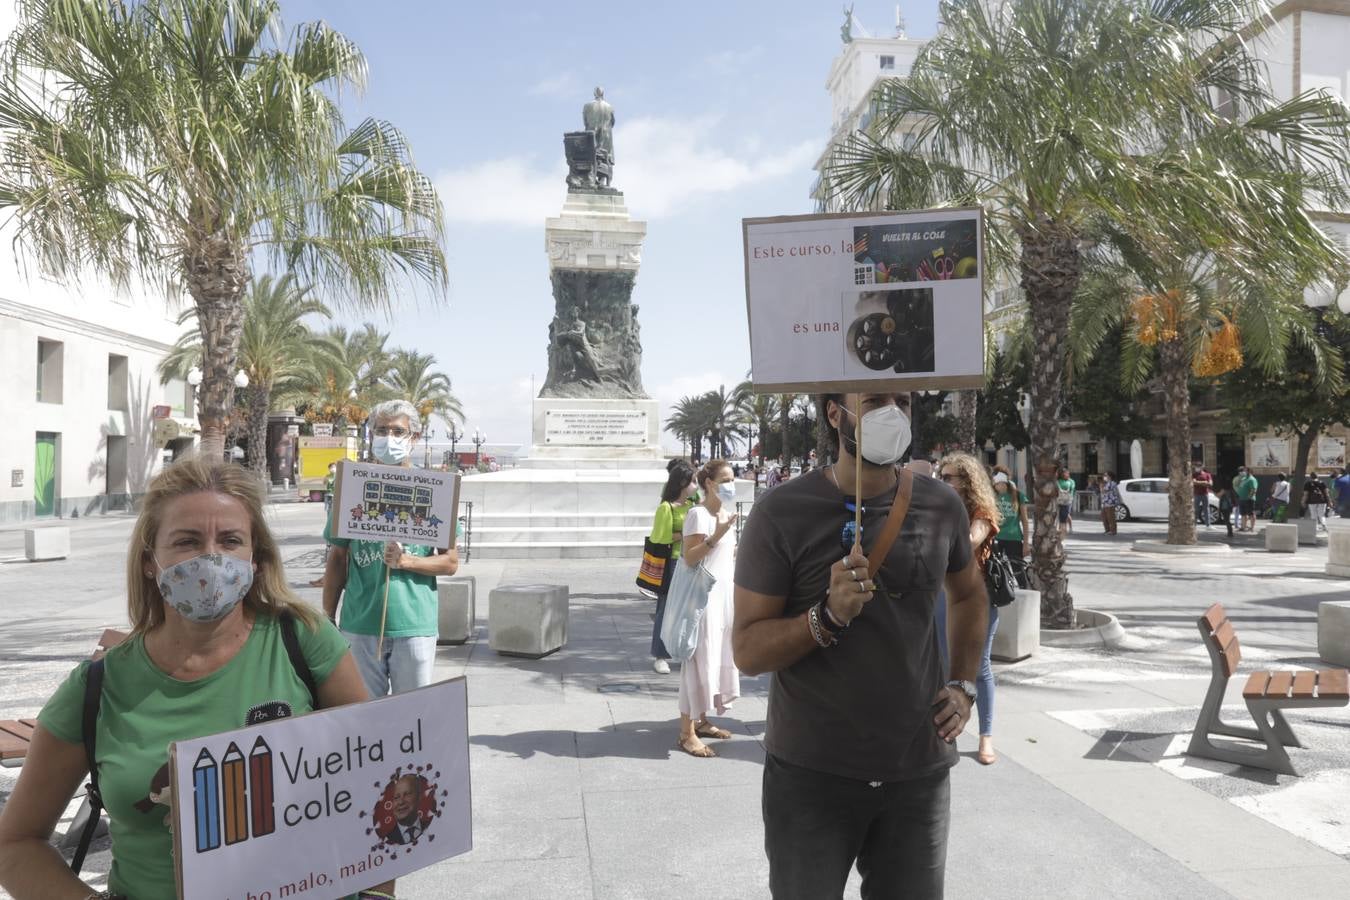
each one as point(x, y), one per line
point(727, 493)
point(392, 451)
point(886, 435)
point(205, 588)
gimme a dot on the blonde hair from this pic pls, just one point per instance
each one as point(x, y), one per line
point(975, 489)
point(270, 595)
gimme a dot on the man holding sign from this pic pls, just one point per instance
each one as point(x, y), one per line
point(861, 719)
point(387, 588)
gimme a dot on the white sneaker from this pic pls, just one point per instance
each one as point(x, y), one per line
point(661, 667)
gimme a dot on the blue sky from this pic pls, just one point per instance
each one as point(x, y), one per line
point(721, 111)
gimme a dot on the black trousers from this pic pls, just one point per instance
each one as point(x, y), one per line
point(817, 825)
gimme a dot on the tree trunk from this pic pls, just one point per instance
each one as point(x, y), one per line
point(216, 274)
point(1306, 440)
point(259, 399)
point(1175, 365)
point(917, 418)
point(1050, 266)
point(968, 401)
point(784, 423)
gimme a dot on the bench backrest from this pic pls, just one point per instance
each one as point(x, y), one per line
point(1220, 639)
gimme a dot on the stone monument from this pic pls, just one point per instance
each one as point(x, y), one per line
point(595, 469)
point(592, 409)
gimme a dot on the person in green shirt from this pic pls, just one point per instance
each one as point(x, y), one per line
point(1245, 486)
point(1013, 536)
point(677, 498)
point(208, 600)
point(394, 646)
point(1067, 491)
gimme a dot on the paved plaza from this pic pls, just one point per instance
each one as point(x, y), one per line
point(578, 790)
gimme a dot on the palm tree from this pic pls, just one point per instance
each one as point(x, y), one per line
point(689, 422)
point(755, 409)
point(276, 350)
point(726, 422)
point(1043, 112)
point(411, 378)
point(178, 141)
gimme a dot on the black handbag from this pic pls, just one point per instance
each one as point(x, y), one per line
point(1000, 578)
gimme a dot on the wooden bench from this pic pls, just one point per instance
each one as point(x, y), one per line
point(16, 736)
point(1266, 694)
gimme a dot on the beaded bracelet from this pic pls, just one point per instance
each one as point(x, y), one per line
point(818, 632)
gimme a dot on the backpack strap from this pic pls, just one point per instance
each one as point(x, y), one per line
point(895, 520)
point(297, 657)
point(93, 697)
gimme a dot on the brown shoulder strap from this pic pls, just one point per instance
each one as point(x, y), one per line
point(894, 522)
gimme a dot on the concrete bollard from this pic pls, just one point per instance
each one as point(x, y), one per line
point(1338, 548)
point(1282, 538)
point(1307, 532)
point(527, 619)
point(455, 610)
point(1019, 628)
point(1333, 632)
point(46, 543)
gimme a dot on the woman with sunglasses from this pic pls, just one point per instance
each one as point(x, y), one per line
point(964, 474)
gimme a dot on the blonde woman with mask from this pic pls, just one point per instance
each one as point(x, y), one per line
point(964, 474)
point(212, 617)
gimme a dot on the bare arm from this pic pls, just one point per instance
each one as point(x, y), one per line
point(442, 562)
point(698, 546)
point(979, 532)
point(762, 640)
point(334, 580)
point(967, 624)
point(30, 868)
point(343, 685)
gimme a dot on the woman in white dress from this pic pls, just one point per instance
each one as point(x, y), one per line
point(710, 680)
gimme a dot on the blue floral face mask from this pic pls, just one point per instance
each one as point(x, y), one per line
point(205, 588)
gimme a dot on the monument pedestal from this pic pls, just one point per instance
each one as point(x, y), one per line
point(596, 434)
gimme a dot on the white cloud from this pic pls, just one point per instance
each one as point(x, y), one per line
point(664, 164)
point(563, 84)
point(510, 191)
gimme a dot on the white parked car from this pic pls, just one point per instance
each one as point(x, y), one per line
point(1146, 498)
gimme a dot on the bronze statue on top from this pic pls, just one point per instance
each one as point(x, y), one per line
point(590, 153)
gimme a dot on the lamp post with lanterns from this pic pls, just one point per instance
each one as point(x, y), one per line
point(479, 439)
point(194, 380)
point(455, 436)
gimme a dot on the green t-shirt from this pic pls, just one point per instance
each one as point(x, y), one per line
point(412, 597)
point(1245, 487)
point(142, 711)
point(1010, 524)
point(1067, 490)
point(668, 521)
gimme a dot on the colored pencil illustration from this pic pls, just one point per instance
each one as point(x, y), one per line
point(234, 778)
point(260, 788)
point(206, 801)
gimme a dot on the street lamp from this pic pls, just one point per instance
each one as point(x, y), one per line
point(426, 447)
point(241, 379)
point(479, 439)
point(455, 437)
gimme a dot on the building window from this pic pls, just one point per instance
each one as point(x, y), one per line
point(49, 362)
point(887, 63)
point(117, 382)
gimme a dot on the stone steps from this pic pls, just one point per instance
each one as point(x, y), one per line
point(559, 550)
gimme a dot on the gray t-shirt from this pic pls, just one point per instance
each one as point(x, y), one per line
point(863, 708)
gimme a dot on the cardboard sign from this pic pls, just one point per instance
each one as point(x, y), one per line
point(866, 301)
point(326, 804)
point(395, 503)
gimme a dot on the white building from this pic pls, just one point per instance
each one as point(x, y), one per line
point(1306, 46)
point(80, 391)
point(863, 61)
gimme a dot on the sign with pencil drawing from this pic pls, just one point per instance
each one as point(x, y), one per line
point(1270, 453)
point(866, 301)
point(325, 804)
point(1330, 452)
point(395, 503)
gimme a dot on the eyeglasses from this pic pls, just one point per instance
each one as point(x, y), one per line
point(383, 431)
point(950, 477)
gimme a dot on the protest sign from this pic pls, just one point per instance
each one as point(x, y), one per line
point(866, 301)
point(326, 804)
point(395, 503)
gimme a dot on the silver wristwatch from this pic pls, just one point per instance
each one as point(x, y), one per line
point(965, 687)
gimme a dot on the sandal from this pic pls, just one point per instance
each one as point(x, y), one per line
point(703, 751)
point(709, 730)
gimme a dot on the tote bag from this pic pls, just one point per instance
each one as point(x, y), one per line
point(652, 575)
point(685, 603)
